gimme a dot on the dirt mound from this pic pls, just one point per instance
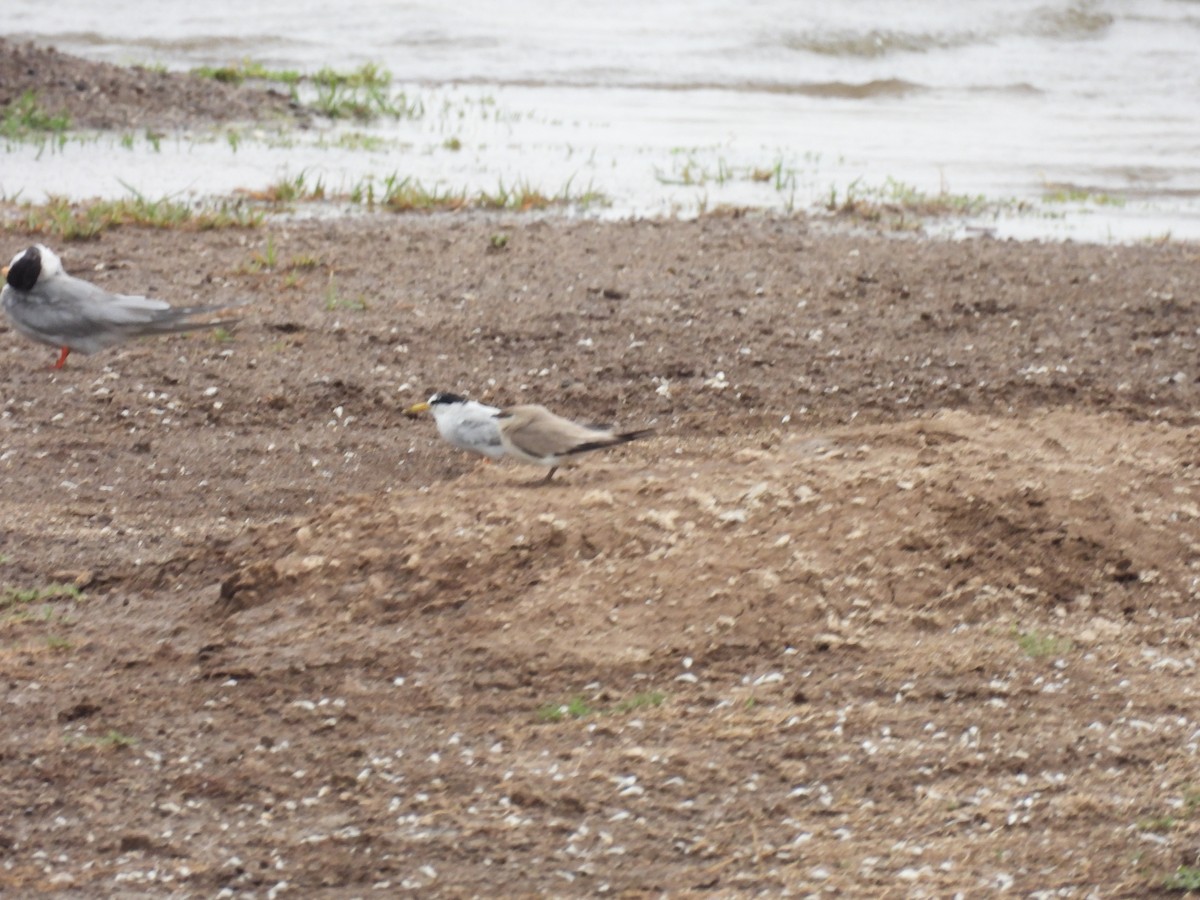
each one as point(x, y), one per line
point(100, 95)
point(694, 547)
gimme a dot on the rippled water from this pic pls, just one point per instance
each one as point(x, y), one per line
point(1091, 111)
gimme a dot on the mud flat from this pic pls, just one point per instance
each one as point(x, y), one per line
point(901, 599)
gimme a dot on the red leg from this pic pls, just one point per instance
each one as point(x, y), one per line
point(62, 358)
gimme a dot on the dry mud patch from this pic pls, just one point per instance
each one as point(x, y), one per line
point(103, 96)
point(899, 601)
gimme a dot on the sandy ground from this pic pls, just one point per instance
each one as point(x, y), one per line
point(899, 601)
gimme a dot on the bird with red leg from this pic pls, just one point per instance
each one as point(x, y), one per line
point(49, 306)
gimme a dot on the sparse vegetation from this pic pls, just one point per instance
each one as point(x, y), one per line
point(363, 93)
point(575, 708)
point(1039, 645)
point(110, 740)
point(62, 218)
point(1070, 194)
point(25, 118)
point(1185, 878)
point(248, 70)
point(335, 301)
point(900, 206)
point(578, 707)
point(13, 596)
point(1158, 824)
point(408, 194)
point(303, 262)
point(266, 259)
point(291, 189)
point(640, 701)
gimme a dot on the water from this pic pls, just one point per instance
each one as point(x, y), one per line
point(1084, 117)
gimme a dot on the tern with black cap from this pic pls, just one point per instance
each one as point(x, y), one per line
point(49, 306)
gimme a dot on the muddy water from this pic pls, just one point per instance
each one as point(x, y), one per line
point(1088, 111)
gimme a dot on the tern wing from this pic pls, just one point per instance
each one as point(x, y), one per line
point(75, 312)
point(550, 435)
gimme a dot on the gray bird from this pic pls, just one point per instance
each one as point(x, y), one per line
point(467, 424)
point(47, 305)
point(535, 435)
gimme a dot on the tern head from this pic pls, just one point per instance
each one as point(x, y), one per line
point(441, 399)
point(31, 265)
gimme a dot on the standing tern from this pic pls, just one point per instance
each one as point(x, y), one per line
point(47, 305)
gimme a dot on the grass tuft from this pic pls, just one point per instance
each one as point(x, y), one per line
point(61, 218)
point(24, 118)
point(900, 206)
point(578, 707)
point(247, 70)
point(575, 708)
point(1039, 645)
point(334, 300)
point(1185, 878)
point(13, 596)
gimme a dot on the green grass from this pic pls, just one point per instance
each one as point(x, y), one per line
point(293, 189)
point(364, 93)
point(1039, 645)
point(247, 70)
point(525, 197)
point(575, 708)
point(335, 301)
point(1158, 824)
point(268, 257)
point(110, 740)
point(305, 262)
point(358, 140)
point(24, 118)
point(640, 701)
point(578, 708)
point(1068, 194)
point(1185, 878)
point(899, 205)
point(42, 605)
point(368, 75)
point(61, 218)
point(11, 597)
point(408, 194)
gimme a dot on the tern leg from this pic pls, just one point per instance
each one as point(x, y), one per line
point(62, 358)
point(550, 474)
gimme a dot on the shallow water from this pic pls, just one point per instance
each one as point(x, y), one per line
point(1089, 111)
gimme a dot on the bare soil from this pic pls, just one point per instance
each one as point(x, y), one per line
point(900, 600)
